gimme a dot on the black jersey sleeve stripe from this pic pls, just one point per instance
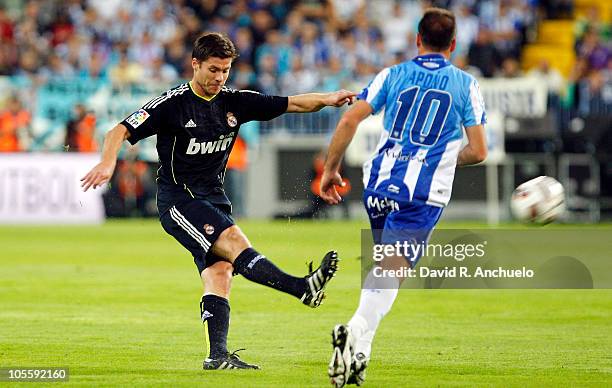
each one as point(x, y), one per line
point(170, 94)
point(154, 103)
point(148, 104)
point(146, 121)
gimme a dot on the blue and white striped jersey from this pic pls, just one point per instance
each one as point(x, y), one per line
point(427, 102)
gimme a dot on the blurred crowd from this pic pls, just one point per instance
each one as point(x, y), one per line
point(590, 83)
point(286, 47)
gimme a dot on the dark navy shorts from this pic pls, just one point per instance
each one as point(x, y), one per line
point(393, 221)
point(196, 224)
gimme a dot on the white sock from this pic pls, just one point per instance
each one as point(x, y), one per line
point(374, 304)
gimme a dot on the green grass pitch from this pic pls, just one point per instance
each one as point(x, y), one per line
point(118, 305)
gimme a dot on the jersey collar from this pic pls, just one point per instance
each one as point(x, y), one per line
point(431, 61)
point(207, 99)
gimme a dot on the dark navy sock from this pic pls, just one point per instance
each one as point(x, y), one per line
point(215, 313)
point(259, 269)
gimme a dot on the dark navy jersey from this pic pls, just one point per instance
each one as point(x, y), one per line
point(195, 136)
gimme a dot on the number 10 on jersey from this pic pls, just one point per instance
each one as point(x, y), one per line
point(429, 119)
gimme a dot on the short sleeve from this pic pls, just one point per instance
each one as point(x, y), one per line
point(376, 92)
point(256, 106)
point(147, 120)
point(474, 110)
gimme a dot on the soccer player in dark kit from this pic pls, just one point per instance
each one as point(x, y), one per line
point(196, 125)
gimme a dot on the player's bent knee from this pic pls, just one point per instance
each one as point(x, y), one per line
point(234, 235)
point(221, 270)
point(231, 242)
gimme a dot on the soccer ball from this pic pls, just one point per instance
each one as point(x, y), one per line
point(540, 200)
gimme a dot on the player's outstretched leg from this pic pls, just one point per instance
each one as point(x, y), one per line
point(318, 279)
point(309, 289)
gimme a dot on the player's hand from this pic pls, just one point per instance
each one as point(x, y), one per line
point(328, 191)
point(98, 176)
point(340, 98)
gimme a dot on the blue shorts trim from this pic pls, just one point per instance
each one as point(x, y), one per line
point(395, 221)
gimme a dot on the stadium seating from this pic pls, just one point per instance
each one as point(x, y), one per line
point(604, 8)
point(556, 38)
point(555, 43)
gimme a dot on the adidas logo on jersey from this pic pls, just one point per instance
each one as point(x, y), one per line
point(190, 124)
point(208, 147)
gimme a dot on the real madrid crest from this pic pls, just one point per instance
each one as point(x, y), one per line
point(209, 229)
point(232, 121)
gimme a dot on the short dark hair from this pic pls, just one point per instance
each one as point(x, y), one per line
point(437, 28)
point(213, 44)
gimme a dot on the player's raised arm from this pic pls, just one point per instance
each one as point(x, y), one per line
point(345, 130)
point(312, 102)
point(476, 149)
point(103, 171)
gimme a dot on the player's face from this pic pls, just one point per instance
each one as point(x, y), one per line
point(211, 74)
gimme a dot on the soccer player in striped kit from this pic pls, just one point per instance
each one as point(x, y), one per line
point(428, 103)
